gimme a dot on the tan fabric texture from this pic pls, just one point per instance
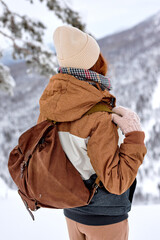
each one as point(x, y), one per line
point(67, 99)
point(75, 48)
point(116, 231)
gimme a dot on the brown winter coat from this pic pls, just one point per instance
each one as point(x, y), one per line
point(66, 99)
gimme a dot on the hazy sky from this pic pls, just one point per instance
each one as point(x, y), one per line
point(102, 17)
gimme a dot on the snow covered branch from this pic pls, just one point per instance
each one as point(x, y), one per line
point(26, 35)
point(64, 12)
point(7, 82)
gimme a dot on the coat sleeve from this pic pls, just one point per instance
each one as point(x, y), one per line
point(115, 166)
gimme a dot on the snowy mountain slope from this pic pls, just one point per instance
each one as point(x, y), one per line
point(18, 112)
point(134, 67)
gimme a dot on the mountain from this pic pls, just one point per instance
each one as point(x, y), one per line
point(133, 58)
point(18, 112)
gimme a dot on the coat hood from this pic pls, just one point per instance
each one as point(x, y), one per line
point(67, 99)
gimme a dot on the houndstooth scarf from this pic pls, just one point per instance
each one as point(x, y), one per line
point(87, 75)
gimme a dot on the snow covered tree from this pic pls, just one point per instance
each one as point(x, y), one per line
point(26, 36)
point(6, 80)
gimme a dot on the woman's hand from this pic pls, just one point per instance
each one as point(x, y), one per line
point(127, 120)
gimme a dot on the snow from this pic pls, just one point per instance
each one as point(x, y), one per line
point(150, 186)
point(7, 83)
point(144, 222)
point(148, 126)
point(156, 98)
point(50, 224)
point(16, 223)
point(37, 11)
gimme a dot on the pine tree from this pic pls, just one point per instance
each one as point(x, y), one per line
point(26, 37)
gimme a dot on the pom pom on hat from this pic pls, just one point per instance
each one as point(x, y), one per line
point(75, 48)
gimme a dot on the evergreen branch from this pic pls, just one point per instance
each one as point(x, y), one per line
point(13, 41)
point(64, 13)
point(8, 11)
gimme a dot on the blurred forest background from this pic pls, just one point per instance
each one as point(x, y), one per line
point(26, 64)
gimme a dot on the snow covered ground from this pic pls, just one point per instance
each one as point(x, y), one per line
point(16, 223)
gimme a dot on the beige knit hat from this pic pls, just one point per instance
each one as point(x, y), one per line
point(75, 48)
